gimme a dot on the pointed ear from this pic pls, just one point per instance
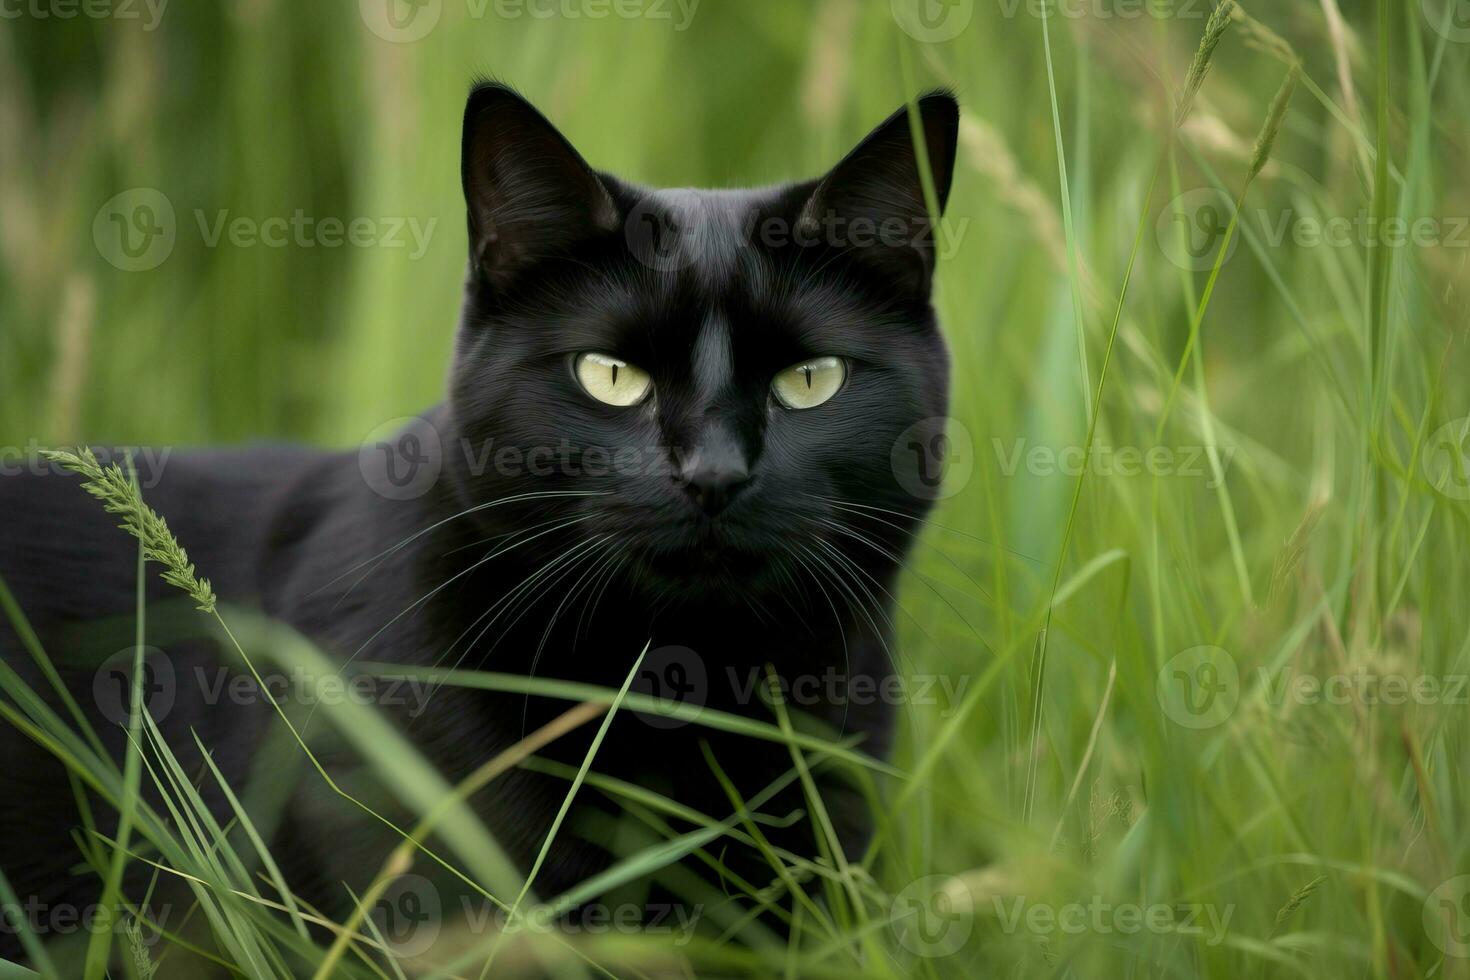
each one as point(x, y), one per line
point(876, 192)
point(529, 194)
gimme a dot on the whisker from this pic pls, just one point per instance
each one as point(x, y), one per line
point(501, 537)
point(921, 577)
point(820, 564)
point(919, 540)
point(894, 599)
point(513, 595)
point(551, 622)
point(853, 601)
point(851, 565)
point(571, 593)
point(849, 505)
point(527, 586)
point(438, 524)
point(610, 569)
point(530, 597)
point(836, 617)
point(454, 578)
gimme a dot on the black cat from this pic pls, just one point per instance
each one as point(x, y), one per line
point(701, 422)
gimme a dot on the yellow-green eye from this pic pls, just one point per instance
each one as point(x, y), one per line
point(611, 380)
point(810, 383)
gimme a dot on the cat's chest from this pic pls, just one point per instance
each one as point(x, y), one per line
point(509, 647)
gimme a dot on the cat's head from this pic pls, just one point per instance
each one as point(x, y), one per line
point(732, 377)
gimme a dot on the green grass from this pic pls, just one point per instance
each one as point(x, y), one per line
point(1310, 520)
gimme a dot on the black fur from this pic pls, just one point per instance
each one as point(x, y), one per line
point(712, 292)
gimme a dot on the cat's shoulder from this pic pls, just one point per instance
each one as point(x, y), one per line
point(216, 501)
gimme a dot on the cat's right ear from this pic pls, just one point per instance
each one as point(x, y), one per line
point(878, 186)
point(529, 195)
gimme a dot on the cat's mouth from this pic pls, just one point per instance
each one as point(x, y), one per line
point(703, 555)
point(702, 576)
point(707, 560)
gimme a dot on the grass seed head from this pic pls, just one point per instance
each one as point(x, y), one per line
point(120, 495)
point(1267, 138)
point(1200, 65)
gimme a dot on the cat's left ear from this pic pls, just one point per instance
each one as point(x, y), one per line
point(530, 195)
point(872, 203)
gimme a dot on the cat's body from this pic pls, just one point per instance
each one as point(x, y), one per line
point(707, 523)
point(305, 547)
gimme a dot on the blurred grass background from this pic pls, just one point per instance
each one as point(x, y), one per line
point(1310, 517)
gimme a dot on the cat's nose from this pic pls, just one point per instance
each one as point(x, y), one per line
point(714, 472)
point(712, 488)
